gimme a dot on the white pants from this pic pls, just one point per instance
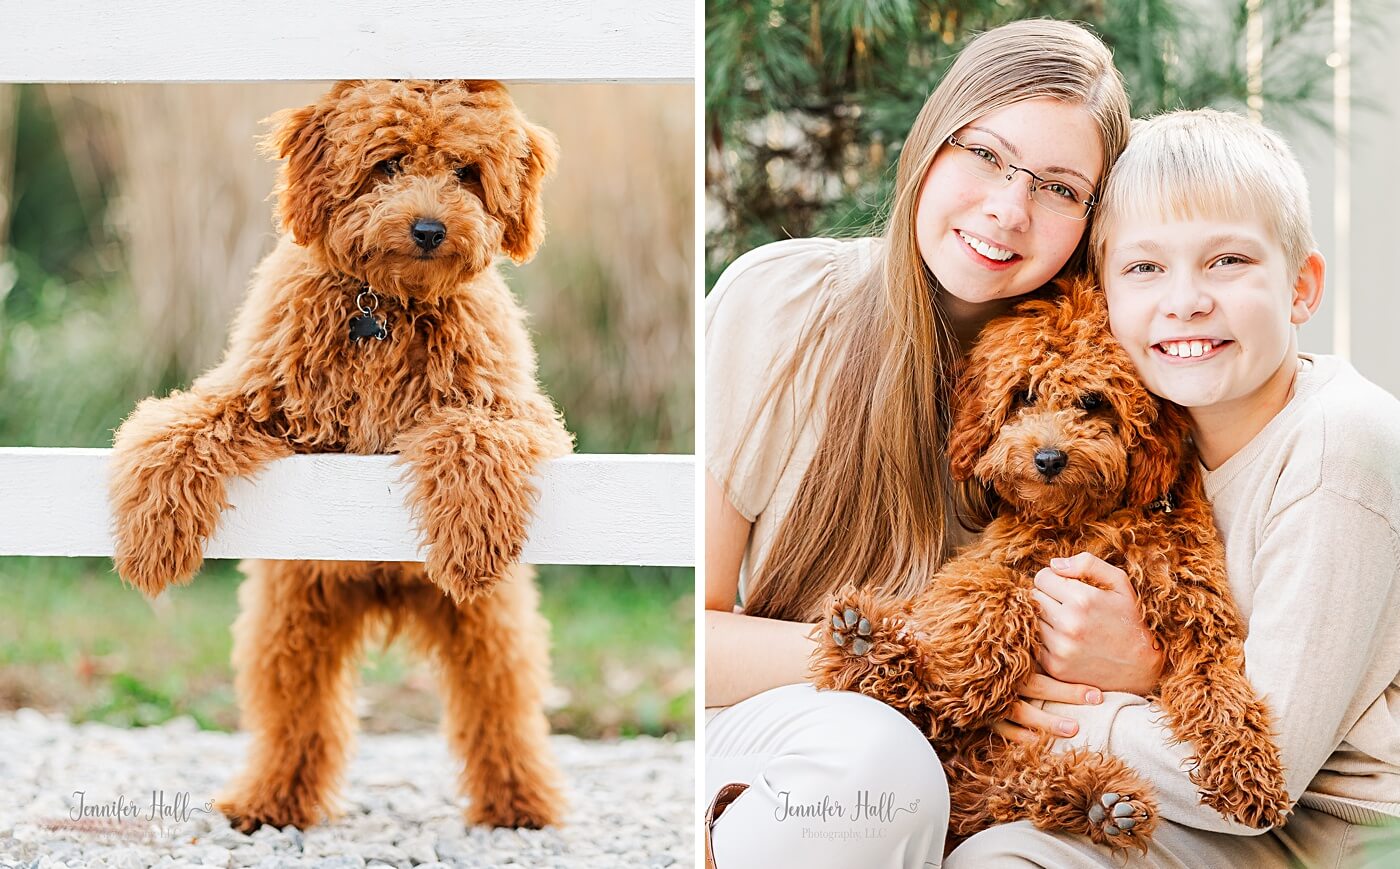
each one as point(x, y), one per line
point(836, 779)
point(833, 775)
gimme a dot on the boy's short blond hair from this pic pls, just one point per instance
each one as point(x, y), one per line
point(1212, 164)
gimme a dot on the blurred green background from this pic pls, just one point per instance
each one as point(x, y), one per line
point(807, 102)
point(130, 219)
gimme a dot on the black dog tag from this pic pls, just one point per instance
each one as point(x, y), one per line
point(367, 326)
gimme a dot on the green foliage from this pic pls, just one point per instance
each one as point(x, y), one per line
point(53, 223)
point(76, 639)
point(808, 101)
point(72, 367)
point(617, 677)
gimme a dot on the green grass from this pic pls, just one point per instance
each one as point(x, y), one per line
point(624, 643)
point(73, 639)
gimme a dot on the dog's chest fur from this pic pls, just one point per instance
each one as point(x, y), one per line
point(371, 389)
point(321, 391)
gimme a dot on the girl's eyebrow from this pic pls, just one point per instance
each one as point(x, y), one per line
point(1016, 152)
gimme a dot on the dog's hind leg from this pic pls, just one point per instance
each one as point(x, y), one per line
point(493, 657)
point(295, 645)
point(1079, 791)
point(1204, 691)
point(1211, 704)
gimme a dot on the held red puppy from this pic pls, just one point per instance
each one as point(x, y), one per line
point(1070, 454)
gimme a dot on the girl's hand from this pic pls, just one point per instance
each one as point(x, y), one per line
point(1027, 720)
point(1094, 635)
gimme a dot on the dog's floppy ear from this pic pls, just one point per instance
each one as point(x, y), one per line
point(972, 432)
point(1154, 430)
point(1155, 464)
point(524, 225)
point(303, 184)
point(983, 396)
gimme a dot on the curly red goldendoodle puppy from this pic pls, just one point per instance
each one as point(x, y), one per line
point(1073, 455)
point(377, 325)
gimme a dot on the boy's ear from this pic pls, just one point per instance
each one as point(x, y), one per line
point(1307, 290)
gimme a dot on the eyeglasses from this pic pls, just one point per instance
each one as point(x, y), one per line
point(1056, 194)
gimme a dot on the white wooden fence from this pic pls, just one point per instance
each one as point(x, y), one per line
point(264, 40)
point(594, 509)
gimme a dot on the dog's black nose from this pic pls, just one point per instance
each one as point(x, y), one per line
point(428, 234)
point(1050, 462)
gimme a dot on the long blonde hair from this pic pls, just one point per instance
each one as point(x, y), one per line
point(872, 506)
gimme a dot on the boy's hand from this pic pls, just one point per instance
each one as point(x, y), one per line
point(1027, 720)
point(1092, 631)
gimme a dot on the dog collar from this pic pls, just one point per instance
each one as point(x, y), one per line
point(365, 325)
point(1163, 504)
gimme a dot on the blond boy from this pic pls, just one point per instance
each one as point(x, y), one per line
point(1204, 249)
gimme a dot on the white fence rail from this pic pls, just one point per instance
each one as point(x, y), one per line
point(593, 509)
point(259, 40)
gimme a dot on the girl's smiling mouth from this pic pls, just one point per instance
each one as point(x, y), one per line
point(984, 252)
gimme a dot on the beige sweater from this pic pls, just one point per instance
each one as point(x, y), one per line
point(1310, 514)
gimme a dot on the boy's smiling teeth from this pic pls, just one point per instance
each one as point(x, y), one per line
point(987, 250)
point(1194, 347)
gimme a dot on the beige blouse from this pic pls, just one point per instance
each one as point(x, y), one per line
point(754, 318)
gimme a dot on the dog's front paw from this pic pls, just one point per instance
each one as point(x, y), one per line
point(852, 631)
point(465, 564)
point(865, 648)
point(1246, 784)
point(152, 563)
point(162, 518)
point(473, 508)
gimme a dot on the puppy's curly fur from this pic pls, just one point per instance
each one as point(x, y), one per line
point(1051, 377)
point(451, 390)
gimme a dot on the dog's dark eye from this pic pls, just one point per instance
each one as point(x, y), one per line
point(468, 174)
point(1091, 401)
point(390, 167)
point(1028, 398)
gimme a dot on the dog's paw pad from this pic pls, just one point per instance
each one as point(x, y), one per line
point(1118, 814)
point(851, 625)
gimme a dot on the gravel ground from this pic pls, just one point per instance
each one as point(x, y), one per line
point(631, 804)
